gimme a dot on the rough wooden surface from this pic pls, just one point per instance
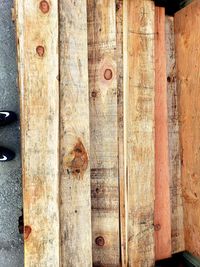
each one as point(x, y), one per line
point(37, 41)
point(75, 200)
point(122, 174)
point(140, 132)
point(103, 130)
point(187, 36)
point(174, 144)
point(162, 214)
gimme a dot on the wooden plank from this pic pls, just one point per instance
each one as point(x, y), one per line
point(187, 36)
point(121, 140)
point(75, 208)
point(162, 215)
point(140, 132)
point(174, 144)
point(37, 41)
point(104, 133)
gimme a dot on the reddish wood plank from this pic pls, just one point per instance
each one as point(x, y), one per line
point(162, 217)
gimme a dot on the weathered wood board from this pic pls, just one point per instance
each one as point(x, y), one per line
point(174, 144)
point(187, 36)
point(75, 197)
point(121, 140)
point(162, 214)
point(103, 130)
point(140, 132)
point(37, 43)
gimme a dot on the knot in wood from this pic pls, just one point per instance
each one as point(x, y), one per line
point(108, 74)
point(157, 227)
point(40, 50)
point(44, 6)
point(100, 241)
point(27, 231)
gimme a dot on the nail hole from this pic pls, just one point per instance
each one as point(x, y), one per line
point(97, 190)
point(169, 79)
point(94, 94)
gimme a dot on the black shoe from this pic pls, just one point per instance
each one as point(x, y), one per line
point(7, 117)
point(6, 154)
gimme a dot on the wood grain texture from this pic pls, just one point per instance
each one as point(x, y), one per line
point(104, 133)
point(174, 143)
point(162, 215)
point(140, 132)
point(187, 36)
point(37, 41)
point(121, 153)
point(75, 206)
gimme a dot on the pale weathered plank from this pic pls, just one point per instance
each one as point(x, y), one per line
point(174, 144)
point(140, 132)
point(162, 214)
point(120, 108)
point(187, 36)
point(103, 129)
point(75, 206)
point(37, 38)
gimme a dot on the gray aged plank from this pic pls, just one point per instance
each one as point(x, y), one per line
point(75, 204)
point(103, 130)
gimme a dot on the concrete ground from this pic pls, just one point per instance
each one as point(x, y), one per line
point(11, 244)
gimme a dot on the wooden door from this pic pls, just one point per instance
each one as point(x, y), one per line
point(187, 37)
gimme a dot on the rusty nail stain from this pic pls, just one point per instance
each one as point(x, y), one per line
point(40, 50)
point(44, 6)
point(100, 241)
point(27, 231)
point(157, 227)
point(108, 74)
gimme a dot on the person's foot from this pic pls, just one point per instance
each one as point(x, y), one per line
point(6, 154)
point(7, 117)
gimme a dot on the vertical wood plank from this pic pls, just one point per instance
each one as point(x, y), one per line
point(120, 107)
point(103, 129)
point(174, 144)
point(162, 217)
point(75, 207)
point(37, 39)
point(140, 132)
point(187, 36)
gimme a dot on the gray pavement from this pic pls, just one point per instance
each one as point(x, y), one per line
point(11, 244)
